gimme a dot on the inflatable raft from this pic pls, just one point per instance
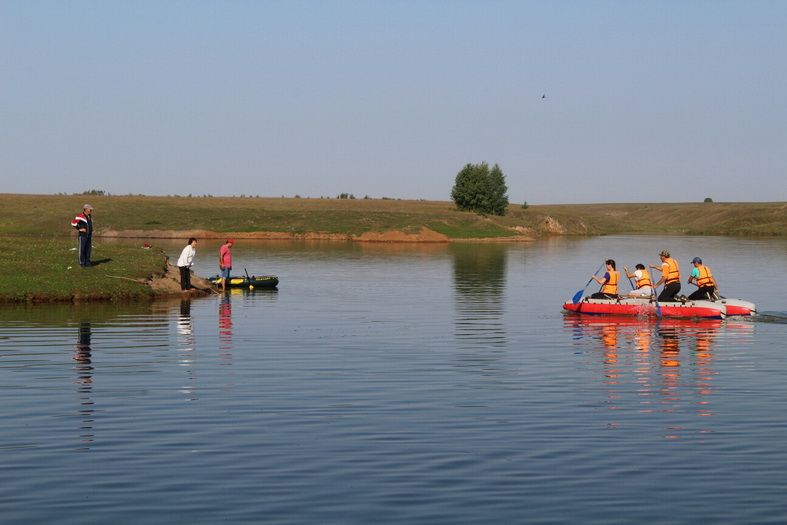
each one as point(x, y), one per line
point(647, 307)
point(254, 281)
point(737, 306)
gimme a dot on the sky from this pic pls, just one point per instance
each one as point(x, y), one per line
point(667, 101)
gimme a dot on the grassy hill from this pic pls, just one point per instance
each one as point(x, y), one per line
point(49, 215)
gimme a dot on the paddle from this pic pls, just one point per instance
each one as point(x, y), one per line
point(578, 296)
point(656, 299)
point(247, 273)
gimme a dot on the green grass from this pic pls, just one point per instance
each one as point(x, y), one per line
point(38, 269)
point(49, 215)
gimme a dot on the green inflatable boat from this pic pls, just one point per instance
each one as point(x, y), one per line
point(250, 282)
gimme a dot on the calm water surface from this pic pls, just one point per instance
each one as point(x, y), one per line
point(415, 384)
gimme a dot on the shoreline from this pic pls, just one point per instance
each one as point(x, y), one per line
point(426, 235)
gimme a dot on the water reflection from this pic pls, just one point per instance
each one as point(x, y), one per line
point(663, 367)
point(479, 286)
point(225, 327)
point(84, 381)
point(186, 352)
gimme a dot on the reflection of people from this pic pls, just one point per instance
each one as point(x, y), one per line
point(703, 278)
point(83, 223)
point(225, 262)
point(643, 284)
point(82, 350)
point(84, 369)
point(185, 262)
point(670, 277)
point(609, 283)
point(225, 324)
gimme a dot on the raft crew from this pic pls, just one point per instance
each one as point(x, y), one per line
point(703, 278)
point(670, 277)
point(609, 283)
point(643, 284)
point(83, 223)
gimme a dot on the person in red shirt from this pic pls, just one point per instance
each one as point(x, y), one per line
point(225, 262)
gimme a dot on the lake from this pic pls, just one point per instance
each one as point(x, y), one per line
point(403, 383)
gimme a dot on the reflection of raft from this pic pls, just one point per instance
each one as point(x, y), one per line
point(647, 307)
point(255, 281)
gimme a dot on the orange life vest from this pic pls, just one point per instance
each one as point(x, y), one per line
point(611, 286)
point(706, 277)
point(672, 274)
point(644, 280)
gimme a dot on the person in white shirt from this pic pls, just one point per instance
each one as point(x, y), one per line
point(185, 262)
point(644, 285)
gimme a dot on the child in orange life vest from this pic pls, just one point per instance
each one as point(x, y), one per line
point(609, 283)
point(643, 283)
point(703, 278)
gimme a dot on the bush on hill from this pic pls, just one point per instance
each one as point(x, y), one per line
point(479, 189)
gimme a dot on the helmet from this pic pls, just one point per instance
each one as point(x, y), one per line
point(664, 253)
point(696, 260)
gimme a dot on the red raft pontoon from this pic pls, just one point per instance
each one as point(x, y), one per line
point(647, 307)
point(737, 306)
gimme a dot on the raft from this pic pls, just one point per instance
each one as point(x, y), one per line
point(254, 281)
point(737, 306)
point(644, 307)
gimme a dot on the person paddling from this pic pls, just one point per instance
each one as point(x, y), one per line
point(225, 262)
point(609, 283)
point(670, 277)
point(703, 278)
point(643, 283)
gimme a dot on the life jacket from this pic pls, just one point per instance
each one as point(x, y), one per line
point(706, 277)
point(644, 280)
point(673, 271)
point(611, 286)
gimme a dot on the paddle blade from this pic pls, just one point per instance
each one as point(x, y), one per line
point(658, 310)
point(577, 297)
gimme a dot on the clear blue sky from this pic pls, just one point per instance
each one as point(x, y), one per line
point(645, 101)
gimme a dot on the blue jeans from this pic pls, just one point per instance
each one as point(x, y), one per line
point(85, 247)
point(225, 272)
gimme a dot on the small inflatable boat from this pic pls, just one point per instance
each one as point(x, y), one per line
point(645, 307)
point(251, 282)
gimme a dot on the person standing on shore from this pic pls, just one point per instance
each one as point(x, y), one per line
point(670, 276)
point(225, 262)
point(185, 262)
point(83, 223)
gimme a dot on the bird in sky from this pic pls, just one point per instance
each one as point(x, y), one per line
point(543, 96)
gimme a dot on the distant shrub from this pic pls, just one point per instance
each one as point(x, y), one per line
point(94, 192)
point(524, 205)
point(479, 189)
point(708, 199)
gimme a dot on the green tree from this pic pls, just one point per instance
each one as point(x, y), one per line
point(479, 189)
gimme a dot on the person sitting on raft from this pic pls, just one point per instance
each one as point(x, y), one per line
point(643, 283)
point(609, 283)
point(670, 277)
point(703, 278)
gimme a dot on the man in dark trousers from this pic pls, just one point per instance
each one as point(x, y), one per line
point(84, 226)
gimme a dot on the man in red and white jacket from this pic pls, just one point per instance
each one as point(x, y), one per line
point(83, 223)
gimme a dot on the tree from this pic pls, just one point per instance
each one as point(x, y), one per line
point(479, 189)
point(708, 199)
